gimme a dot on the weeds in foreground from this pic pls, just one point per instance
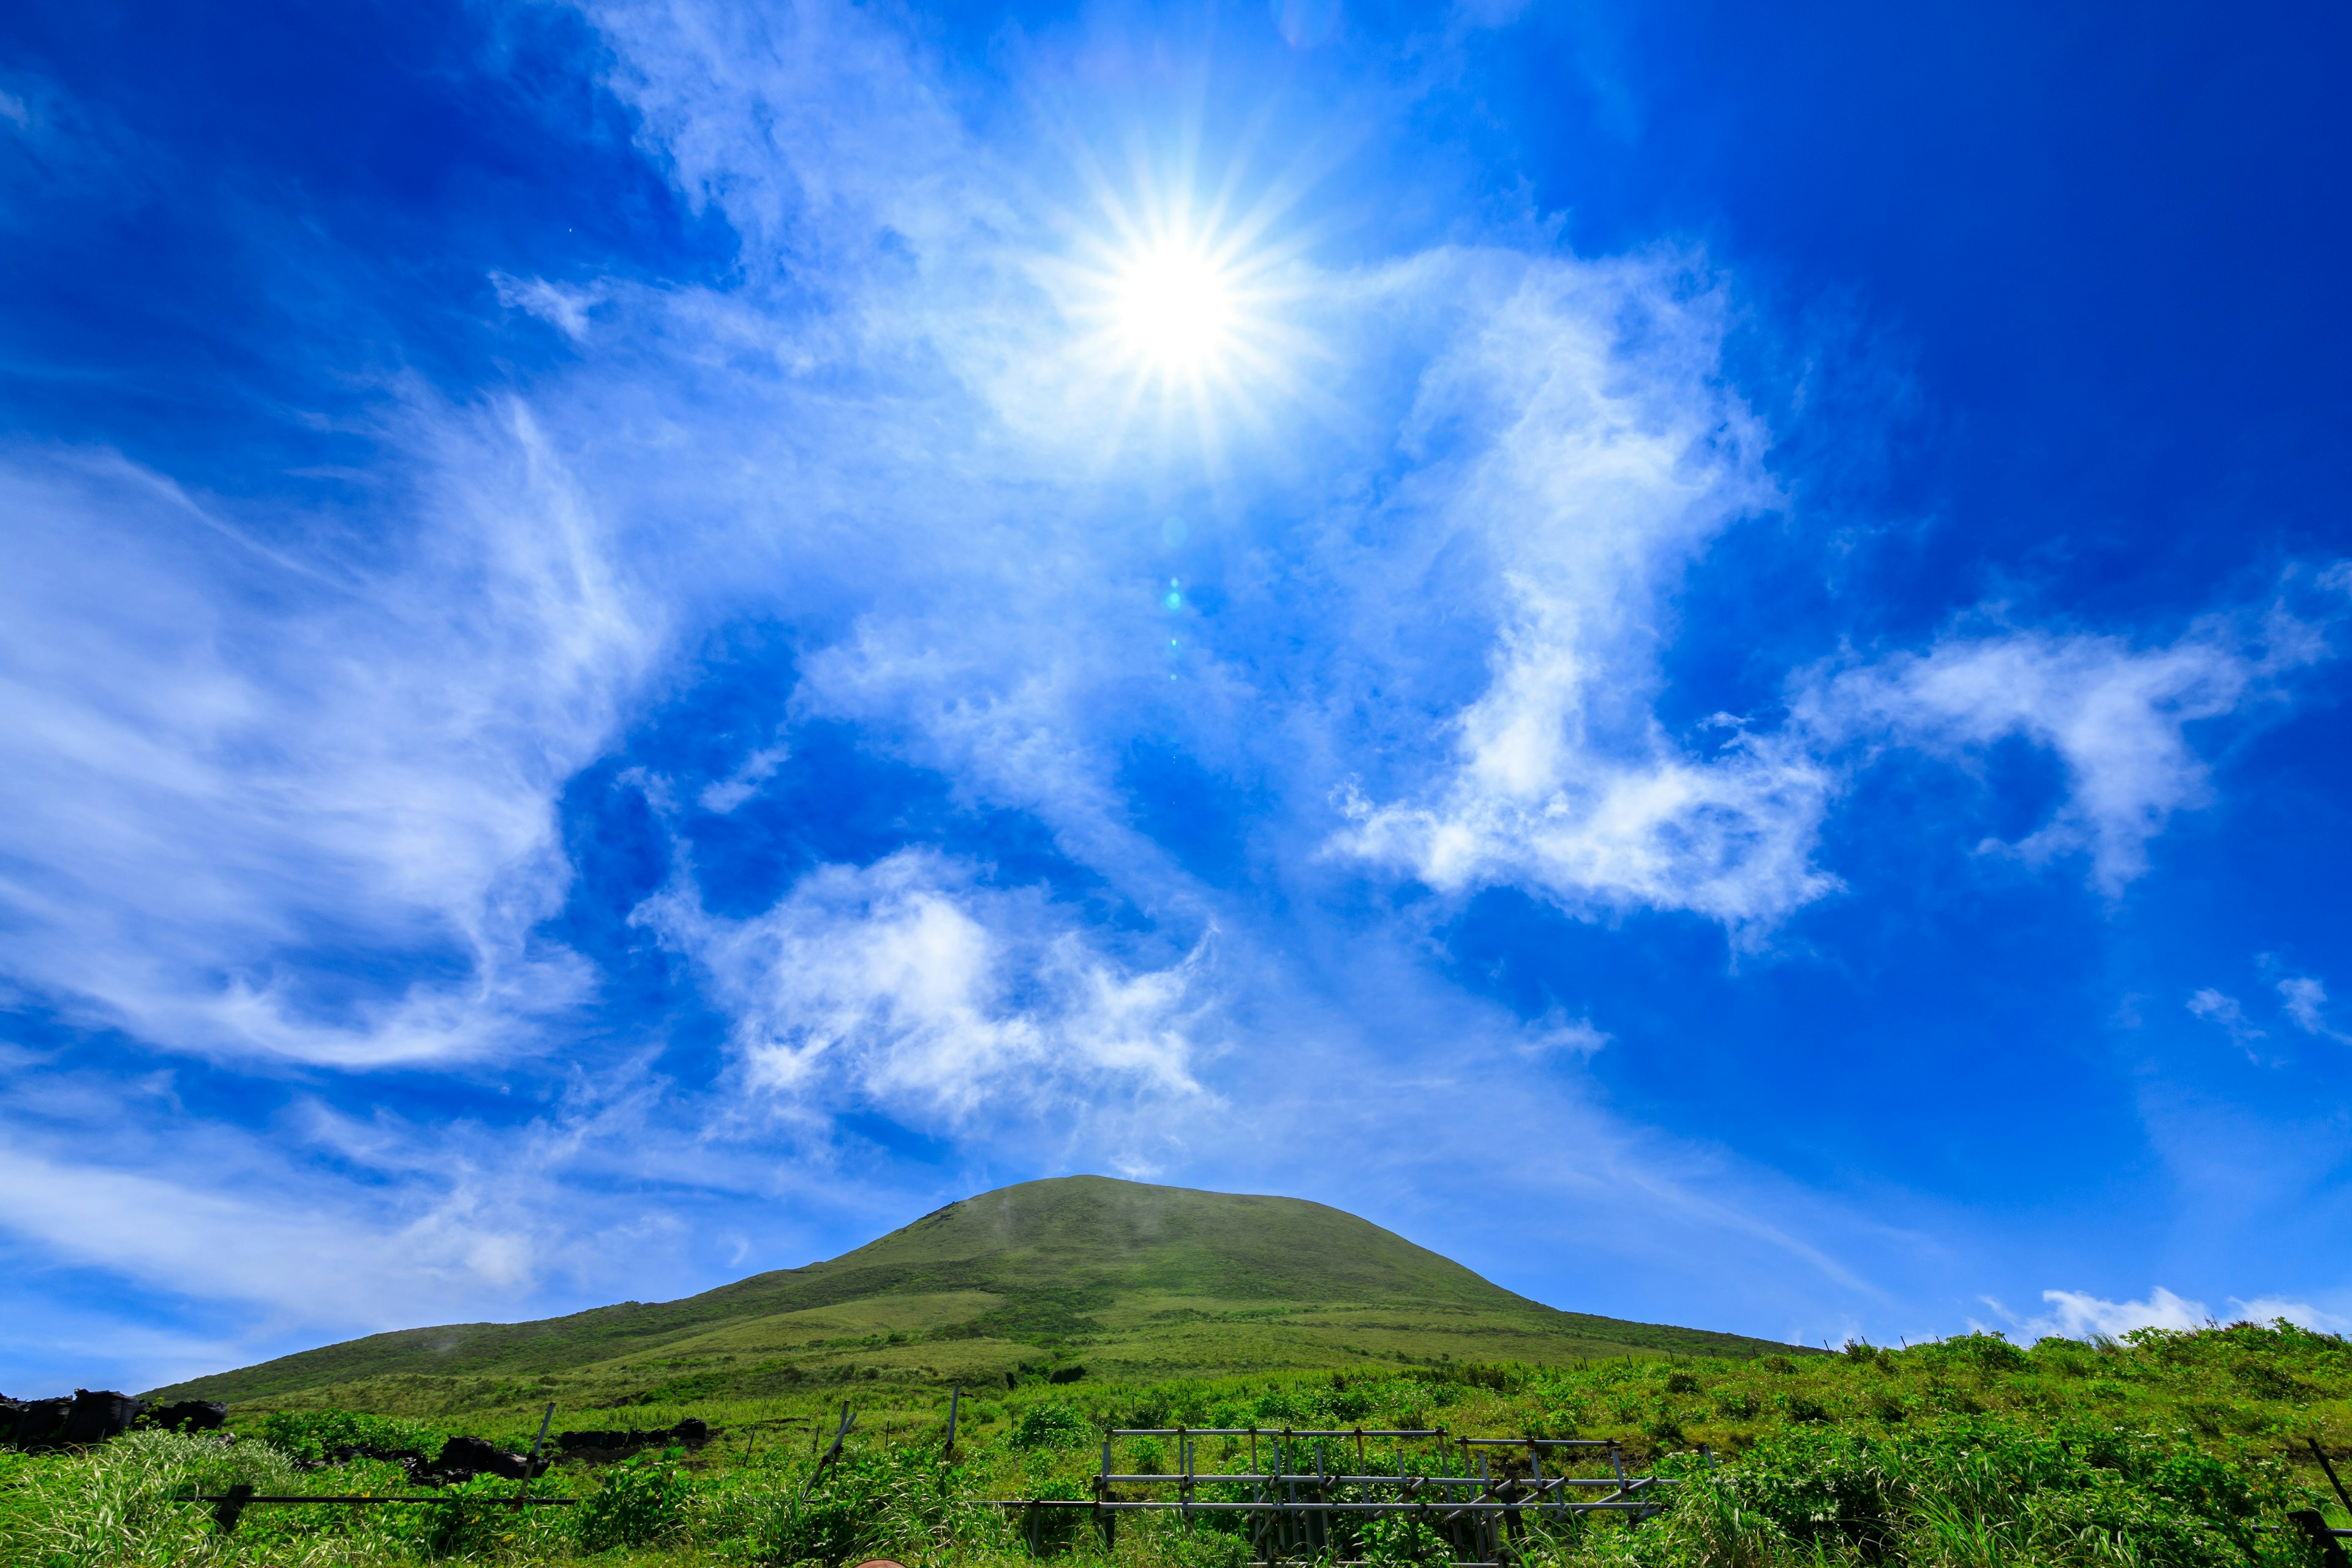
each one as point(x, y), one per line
point(1963, 1454)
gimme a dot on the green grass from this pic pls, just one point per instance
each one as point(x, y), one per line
point(1129, 1281)
point(2170, 1449)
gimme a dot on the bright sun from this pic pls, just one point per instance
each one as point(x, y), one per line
point(1174, 310)
point(1183, 317)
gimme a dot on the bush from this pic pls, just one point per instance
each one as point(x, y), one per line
point(908, 1504)
point(312, 1436)
point(1979, 1351)
point(1050, 1426)
point(640, 1503)
point(1392, 1541)
point(1997, 1492)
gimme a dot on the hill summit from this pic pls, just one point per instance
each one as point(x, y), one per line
point(1122, 1277)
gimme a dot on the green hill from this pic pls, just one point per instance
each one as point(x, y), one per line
point(1125, 1279)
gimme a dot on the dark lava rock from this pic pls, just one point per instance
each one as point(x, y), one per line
point(622, 1442)
point(462, 1459)
point(39, 1422)
point(602, 1448)
point(191, 1415)
point(96, 1415)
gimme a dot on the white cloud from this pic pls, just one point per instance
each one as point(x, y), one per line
point(2303, 1314)
point(815, 129)
point(2305, 998)
point(2226, 1013)
point(1730, 838)
point(723, 795)
point(304, 1260)
point(2079, 1315)
point(2115, 714)
point(1598, 459)
point(1556, 1032)
point(2306, 1002)
point(909, 985)
point(566, 310)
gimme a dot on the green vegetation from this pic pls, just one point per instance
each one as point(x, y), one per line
point(1065, 1307)
point(2182, 1450)
point(1123, 1279)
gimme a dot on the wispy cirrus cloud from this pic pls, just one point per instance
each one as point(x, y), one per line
point(2304, 997)
point(2227, 1014)
point(2117, 714)
point(1586, 451)
point(231, 758)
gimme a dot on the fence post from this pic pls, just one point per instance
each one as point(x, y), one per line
point(1104, 1518)
point(531, 1466)
point(2313, 1523)
point(847, 1421)
point(2321, 1455)
point(225, 1510)
point(1184, 1486)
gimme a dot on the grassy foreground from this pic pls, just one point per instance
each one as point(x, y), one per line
point(2169, 1448)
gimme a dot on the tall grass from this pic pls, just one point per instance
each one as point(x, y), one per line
point(116, 1505)
point(2172, 1451)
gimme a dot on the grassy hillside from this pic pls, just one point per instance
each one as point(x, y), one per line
point(2169, 1450)
point(1125, 1279)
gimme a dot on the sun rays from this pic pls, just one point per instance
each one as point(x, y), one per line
point(1184, 314)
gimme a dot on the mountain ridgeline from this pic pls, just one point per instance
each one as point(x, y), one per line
point(1045, 1278)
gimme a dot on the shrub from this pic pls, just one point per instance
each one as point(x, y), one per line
point(904, 1503)
point(312, 1436)
point(1981, 1352)
point(1711, 1524)
point(1390, 1540)
point(1050, 1426)
point(1998, 1492)
point(641, 1502)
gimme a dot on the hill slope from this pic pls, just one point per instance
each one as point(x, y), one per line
point(1131, 1279)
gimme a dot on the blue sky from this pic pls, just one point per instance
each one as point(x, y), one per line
point(1694, 654)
